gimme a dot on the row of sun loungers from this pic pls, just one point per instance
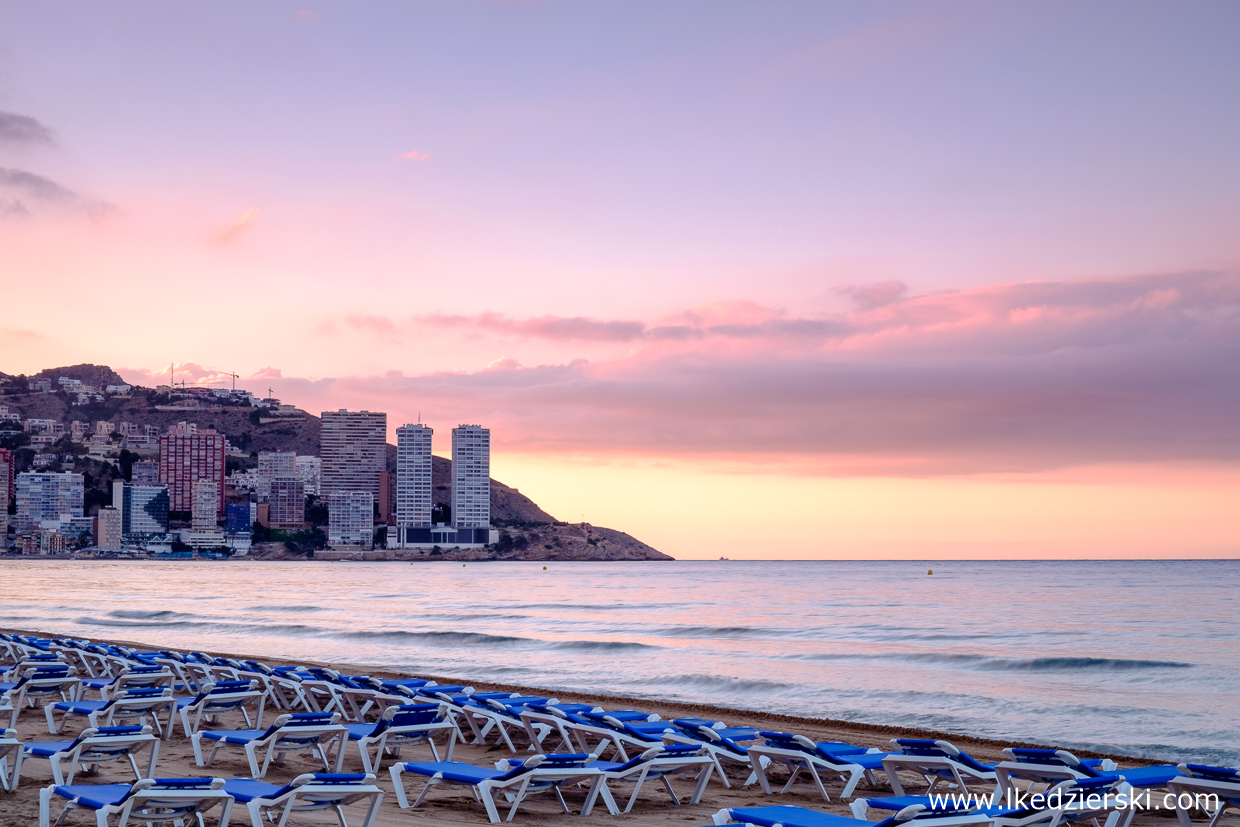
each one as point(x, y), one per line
point(128, 701)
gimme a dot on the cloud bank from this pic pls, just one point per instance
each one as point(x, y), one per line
point(22, 129)
point(1006, 378)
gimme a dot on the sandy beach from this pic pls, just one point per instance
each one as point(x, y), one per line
point(453, 805)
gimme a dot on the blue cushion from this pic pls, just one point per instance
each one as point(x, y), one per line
point(791, 816)
point(456, 771)
point(247, 789)
point(46, 749)
point(94, 796)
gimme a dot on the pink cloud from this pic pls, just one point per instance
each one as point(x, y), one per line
point(307, 15)
point(414, 155)
point(233, 231)
point(1007, 378)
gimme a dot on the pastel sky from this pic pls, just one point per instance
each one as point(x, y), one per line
point(763, 279)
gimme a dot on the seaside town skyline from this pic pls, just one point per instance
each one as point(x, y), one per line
point(179, 477)
point(899, 281)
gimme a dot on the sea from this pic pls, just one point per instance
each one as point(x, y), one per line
point(1140, 658)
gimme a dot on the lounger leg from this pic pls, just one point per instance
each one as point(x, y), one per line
point(760, 771)
point(398, 785)
point(702, 780)
point(51, 722)
point(343, 739)
point(794, 770)
point(818, 780)
point(45, 806)
point(252, 757)
point(484, 792)
point(195, 741)
point(893, 778)
point(853, 779)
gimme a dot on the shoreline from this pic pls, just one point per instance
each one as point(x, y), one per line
point(733, 715)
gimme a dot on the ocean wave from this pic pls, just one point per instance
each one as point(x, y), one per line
point(137, 614)
point(717, 631)
point(715, 683)
point(480, 639)
point(444, 638)
point(991, 663)
point(601, 645)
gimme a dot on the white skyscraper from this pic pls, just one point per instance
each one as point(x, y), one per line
point(413, 475)
point(471, 477)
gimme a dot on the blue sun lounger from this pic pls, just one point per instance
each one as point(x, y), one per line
point(800, 753)
point(41, 684)
point(662, 763)
point(1068, 801)
point(934, 761)
point(125, 707)
point(93, 747)
point(1197, 782)
point(299, 731)
point(216, 699)
point(513, 777)
point(401, 726)
point(723, 744)
point(149, 801)
point(306, 793)
point(784, 815)
point(1050, 767)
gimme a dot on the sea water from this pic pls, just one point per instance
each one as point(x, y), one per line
point(1135, 657)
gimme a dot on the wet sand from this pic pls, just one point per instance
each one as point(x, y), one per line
point(454, 805)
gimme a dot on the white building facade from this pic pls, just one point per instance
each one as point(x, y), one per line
point(350, 519)
point(471, 476)
point(413, 475)
point(43, 497)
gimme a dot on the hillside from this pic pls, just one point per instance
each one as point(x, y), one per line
point(531, 533)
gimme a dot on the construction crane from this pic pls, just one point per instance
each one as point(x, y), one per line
point(235, 377)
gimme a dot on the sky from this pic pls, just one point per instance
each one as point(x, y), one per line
point(763, 279)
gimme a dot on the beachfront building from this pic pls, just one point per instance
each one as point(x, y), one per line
point(286, 505)
point(8, 477)
point(144, 511)
point(413, 475)
point(109, 528)
point(350, 518)
point(47, 497)
point(310, 469)
point(353, 448)
point(272, 464)
point(413, 480)
point(471, 477)
point(188, 454)
point(204, 526)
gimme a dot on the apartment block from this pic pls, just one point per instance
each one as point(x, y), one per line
point(8, 476)
point(471, 476)
point(144, 511)
point(47, 497)
point(287, 503)
point(353, 448)
point(272, 464)
point(109, 528)
point(350, 519)
point(310, 469)
point(413, 475)
point(187, 455)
